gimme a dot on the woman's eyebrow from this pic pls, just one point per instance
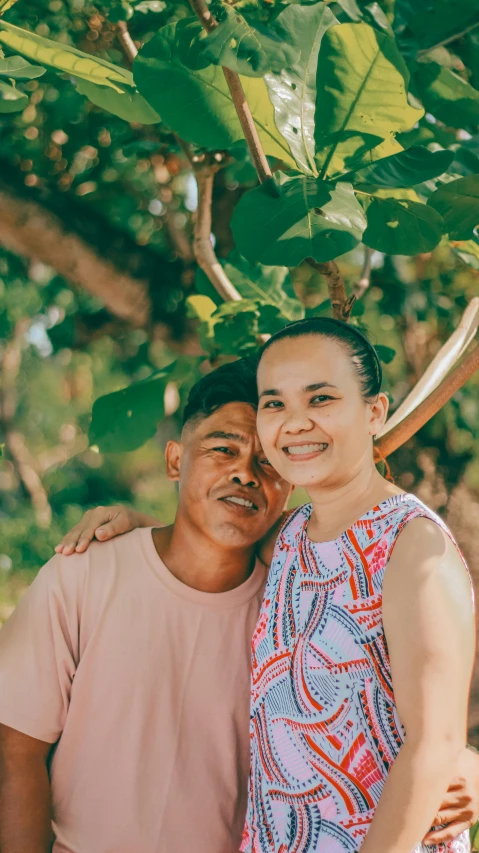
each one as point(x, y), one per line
point(316, 386)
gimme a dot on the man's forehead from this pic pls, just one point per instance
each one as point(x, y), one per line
point(232, 418)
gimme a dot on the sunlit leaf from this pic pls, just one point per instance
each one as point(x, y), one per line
point(458, 204)
point(11, 99)
point(402, 227)
point(361, 96)
point(17, 68)
point(293, 91)
point(62, 57)
point(128, 105)
point(311, 218)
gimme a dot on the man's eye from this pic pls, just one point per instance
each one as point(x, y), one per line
point(265, 462)
point(223, 449)
point(273, 404)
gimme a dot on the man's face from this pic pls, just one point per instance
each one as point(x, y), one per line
point(227, 488)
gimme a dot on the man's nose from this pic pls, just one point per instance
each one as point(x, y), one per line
point(244, 475)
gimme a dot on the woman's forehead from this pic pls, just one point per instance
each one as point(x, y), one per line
point(302, 358)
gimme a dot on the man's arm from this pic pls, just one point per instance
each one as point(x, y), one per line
point(429, 626)
point(25, 798)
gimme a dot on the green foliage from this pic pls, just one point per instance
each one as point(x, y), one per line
point(196, 102)
point(458, 203)
point(124, 420)
point(406, 169)
point(247, 46)
point(402, 227)
point(310, 219)
point(447, 96)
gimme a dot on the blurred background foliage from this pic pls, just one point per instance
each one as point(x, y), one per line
point(126, 192)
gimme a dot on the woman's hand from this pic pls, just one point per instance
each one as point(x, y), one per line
point(460, 808)
point(103, 523)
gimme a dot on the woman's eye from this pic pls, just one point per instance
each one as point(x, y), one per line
point(321, 398)
point(273, 404)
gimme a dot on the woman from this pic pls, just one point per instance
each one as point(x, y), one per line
point(366, 630)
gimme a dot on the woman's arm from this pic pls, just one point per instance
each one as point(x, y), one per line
point(429, 626)
point(103, 523)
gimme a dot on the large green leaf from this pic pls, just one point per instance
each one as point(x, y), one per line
point(402, 227)
point(361, 95)
point(196, 102)
point(311, 218)
point(268, 285)
point(293, 91)
point(128, 105)
point(17, 68)
point(248, 46)
point(11, 100)
point(124, 420)
point(447, 96)
point(62, 57)
point(458, 204)
point(433, 21)
point(405, 169)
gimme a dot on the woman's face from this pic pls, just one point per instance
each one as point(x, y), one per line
point(313, 423)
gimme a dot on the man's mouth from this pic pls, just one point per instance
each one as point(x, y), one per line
point(235, 500)
point(302, 452)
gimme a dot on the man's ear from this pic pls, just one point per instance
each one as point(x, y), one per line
point(173, 457)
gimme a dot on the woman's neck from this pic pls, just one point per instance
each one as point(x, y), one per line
point(338, 506)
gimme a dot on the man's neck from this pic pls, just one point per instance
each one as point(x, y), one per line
point(200, 563)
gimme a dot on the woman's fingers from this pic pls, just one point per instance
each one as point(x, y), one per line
point(95, 520)
point(447, 833)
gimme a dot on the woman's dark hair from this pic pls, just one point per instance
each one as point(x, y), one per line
point(231, 383)
point(361, 351)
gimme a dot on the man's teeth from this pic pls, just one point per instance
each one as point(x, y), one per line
point(240, 501)
point(302, 449)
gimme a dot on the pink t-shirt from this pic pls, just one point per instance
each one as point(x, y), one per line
point(144, 683)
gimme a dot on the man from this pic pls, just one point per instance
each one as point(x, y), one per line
point(124, 672)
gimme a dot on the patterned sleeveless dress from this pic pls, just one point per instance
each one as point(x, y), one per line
point(324, 726)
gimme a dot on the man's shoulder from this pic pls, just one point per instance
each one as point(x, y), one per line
point(98, 564)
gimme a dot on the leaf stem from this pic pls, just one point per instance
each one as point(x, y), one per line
point(449, 40)
point(127, 44)
point(362, 285)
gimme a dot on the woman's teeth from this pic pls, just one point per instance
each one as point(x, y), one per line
point(303, 449)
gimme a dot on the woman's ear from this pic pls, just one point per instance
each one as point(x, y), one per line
point(173, 457)
point(379, 411)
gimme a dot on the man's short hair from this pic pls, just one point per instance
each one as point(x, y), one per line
point(234, 382)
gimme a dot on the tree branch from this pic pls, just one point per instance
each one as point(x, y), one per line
point(440, 366)
point(397, 436)
point(204, 252)
point(204, 173)
point(127, 44)
point(238, 96)
point(29, 230)
point(23, 461)
point(362, 285)
point(340, 302)
point(449, 40)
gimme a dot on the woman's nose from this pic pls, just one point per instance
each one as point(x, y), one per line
point(298, 421)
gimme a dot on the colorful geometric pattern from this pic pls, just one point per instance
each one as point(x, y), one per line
point(324, 726)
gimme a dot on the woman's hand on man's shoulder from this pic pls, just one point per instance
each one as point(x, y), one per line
point(102, 523)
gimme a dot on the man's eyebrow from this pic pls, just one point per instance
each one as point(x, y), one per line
point(316, 386)
point(226, 436)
